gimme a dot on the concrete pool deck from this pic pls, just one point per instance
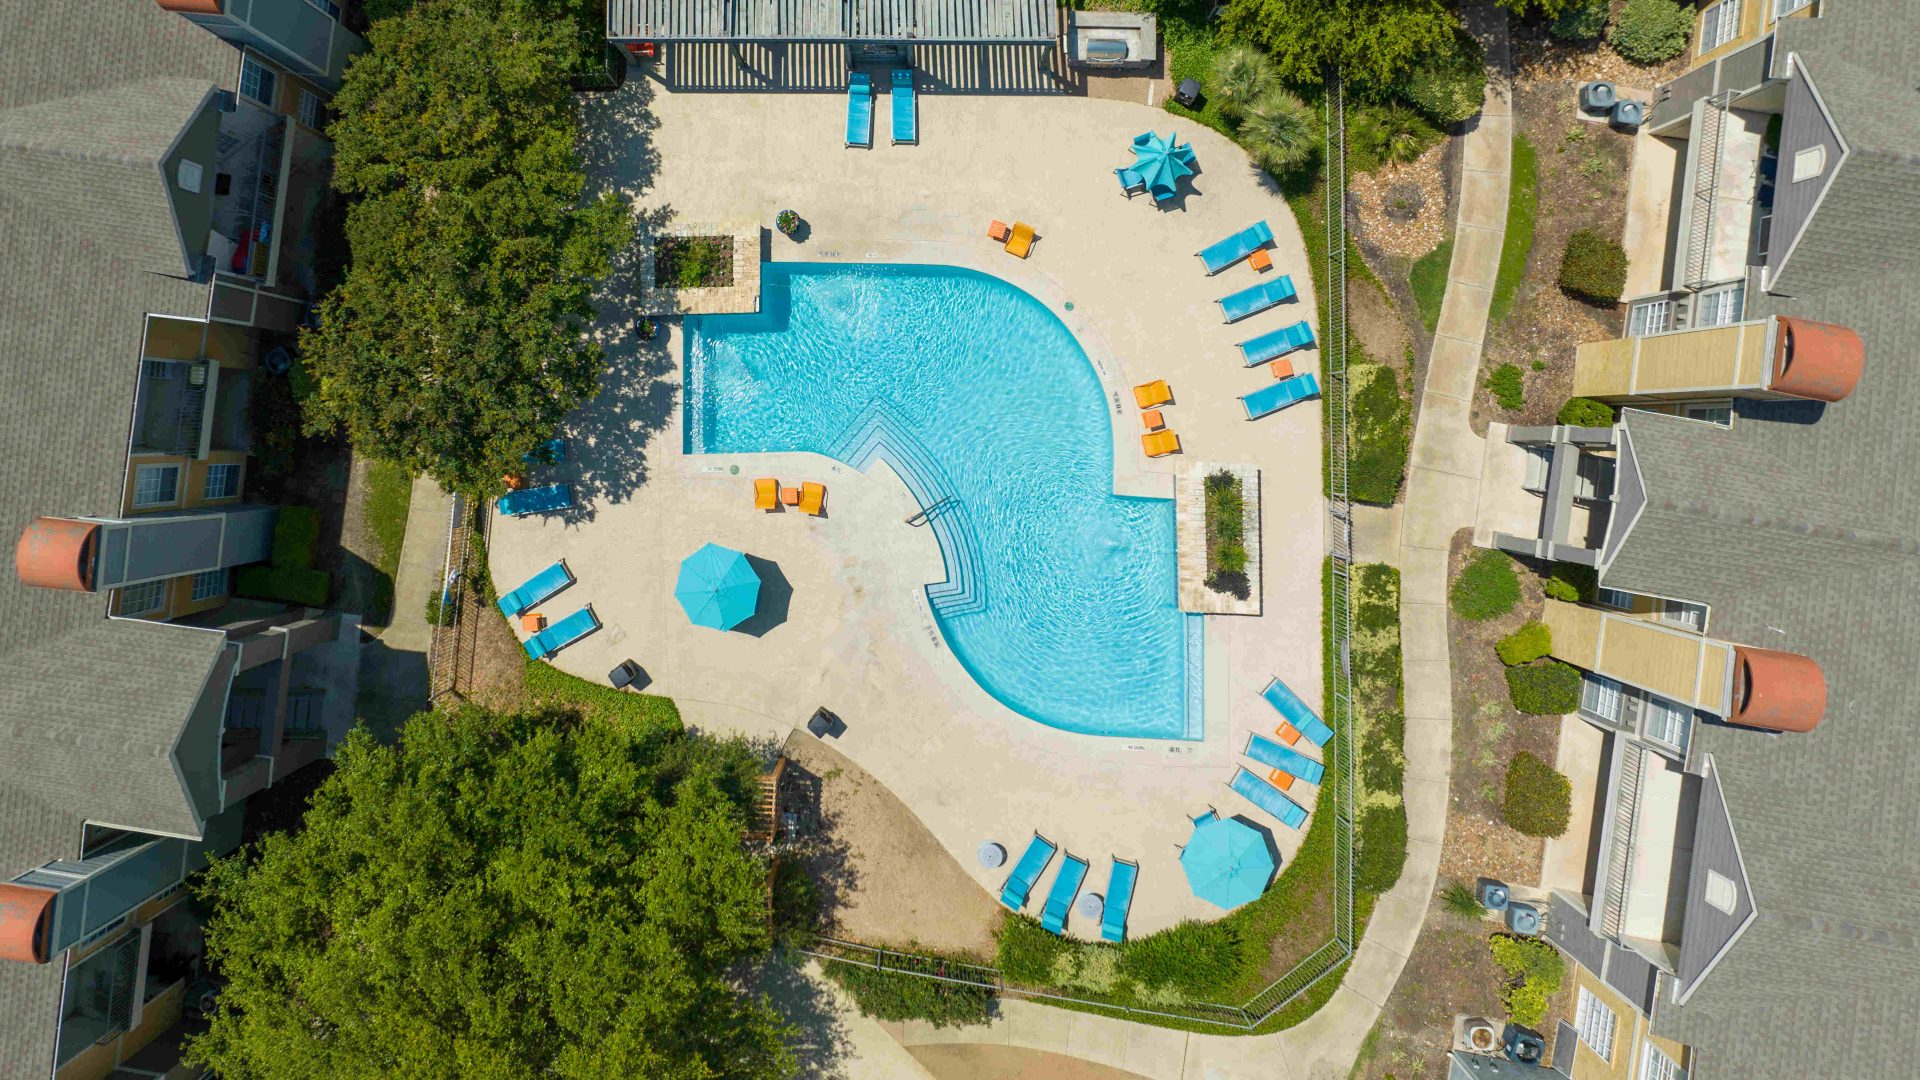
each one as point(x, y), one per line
point(845, 623)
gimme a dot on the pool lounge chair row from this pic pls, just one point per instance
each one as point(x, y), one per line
point(1255, 299)
point(906, 124)
point(1288, 765)
point(1219, 256)
point(1066, 888)
point(808, 498)
point(535, 500)
point(537, 590)
point(1279, 394)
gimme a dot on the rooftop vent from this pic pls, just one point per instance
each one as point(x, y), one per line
point(58, 553)
point(1815, 360)
point(1777, 691)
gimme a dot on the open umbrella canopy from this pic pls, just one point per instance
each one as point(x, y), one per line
point(1227, 862)
point(1162, 162)
point(717, 587)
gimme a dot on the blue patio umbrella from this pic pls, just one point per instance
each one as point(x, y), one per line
point(717, 587)
point(1227, 862)
point(1162, 162)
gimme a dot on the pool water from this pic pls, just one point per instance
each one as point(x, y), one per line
point(1060, 597)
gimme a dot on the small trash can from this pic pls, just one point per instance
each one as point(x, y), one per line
point(1188, 93)
point(622, 676)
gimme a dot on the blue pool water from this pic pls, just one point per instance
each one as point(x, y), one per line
point(1059, 596)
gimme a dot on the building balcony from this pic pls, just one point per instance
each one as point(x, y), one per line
point(1556, 488)
point(249, 173)
point(1771, 358)
point(170, 411)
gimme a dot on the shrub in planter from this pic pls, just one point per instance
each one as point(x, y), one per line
point(1650, 31)
point(1593, 268)
point(1581, 21)
point(1586, 412)
point(1487, 588)
point(1508, 386)
point(1525, 645)
point(1539, 800)
point(1280, 131)
point(786, 221)
point(1544, 688)
point(1383, 848)
point(296, 529)
point(1241, 75)
point(1570, 582)
point(1536, 973)
point(1388, 134)
point(439, 608)
point(1448, 86)
point(287, 584)
point(1193, 957)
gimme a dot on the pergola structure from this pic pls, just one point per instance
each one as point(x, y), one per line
point(896, 21)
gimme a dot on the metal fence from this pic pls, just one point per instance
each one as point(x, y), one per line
point(451, 648)
point(1338, 949)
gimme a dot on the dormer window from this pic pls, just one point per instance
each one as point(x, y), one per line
point(1809, 163)
point(190, 175)
point(1722, 893)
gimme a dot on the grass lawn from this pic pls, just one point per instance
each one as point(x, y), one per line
point(384, 508)
point(1523, 205)
point(548, 686)
point(1429, 280)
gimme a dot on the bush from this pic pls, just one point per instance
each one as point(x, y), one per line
point(296, 529)
point(1593, 268)
point(1650, 31)
point(1388, 134)
point(1381, 433)
point(439, 607)
point(1383, 848)
point(1241, 76)
point(889, 996)
point(1544, 688)
point(1536, 973)
point(1460, 899)
point(1581, 21)
point(1586, 412)
point(1570, 582)
point(1539, 800)
point(1027, 951)
point(1449, 85)
point(1193, 957)
point(289, 585)
point(1280, 131)
point(1525, 645)
point(1487, 588)
point(1509, 386)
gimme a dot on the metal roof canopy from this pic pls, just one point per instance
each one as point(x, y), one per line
point(931, 21)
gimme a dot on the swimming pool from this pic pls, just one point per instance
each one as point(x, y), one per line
point(1060, 597)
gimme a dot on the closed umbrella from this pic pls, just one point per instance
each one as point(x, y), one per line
point(1227, 862)
point(717, 587)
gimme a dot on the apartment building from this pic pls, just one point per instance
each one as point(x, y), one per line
point(159, 182)
point(1748, 895)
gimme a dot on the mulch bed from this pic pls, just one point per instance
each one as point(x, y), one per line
point(712, 255)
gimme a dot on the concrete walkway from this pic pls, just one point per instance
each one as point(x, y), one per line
point(393, 666)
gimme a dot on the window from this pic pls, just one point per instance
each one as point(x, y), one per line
point(310, 109)
point(1649, 317)
point(1719, 25)
point(191, 174)
point(1720, 307)
point(1655, 1065)
point(1784, 8)
point(256, 81)
point(223, 482)
point(1595, 1023)
point(1713, 412)
point(1809, 163)
point(1614, 598)
point(1721, 892)
point(1600, 696)
point(98, 1001)
point(209, 584)
point(148, 596)
point(156, 485)
point(1680, 613)
point(332, 9)
point(159, 369)
point(1666, 722)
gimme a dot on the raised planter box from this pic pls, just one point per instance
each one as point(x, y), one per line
point(741, 294)
point(1190, 525)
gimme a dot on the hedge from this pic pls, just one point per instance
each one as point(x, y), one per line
point(1593, 268)
point(1539, 801)
point(890, 996)
point(289, 585)
point(1544, 687)
point(1027, 951)
point(1581, 21)
point(1650, 31)
point(296, 529)
point(1570, 582)
point(1525, 645)
point(1487, 588)
point(1586, 412)
point(1383, 848)
point(1535, 973)
point(1448, 86)
point(1192, 957)
point(1382, 431)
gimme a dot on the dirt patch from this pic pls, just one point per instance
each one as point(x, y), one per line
point(985, 1062)
point(497, 676)
point(883, 878)
point(1401, 210)
point(1583, 170)
point(1373, 319)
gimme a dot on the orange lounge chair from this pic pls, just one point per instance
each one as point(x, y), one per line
point(1153, 419)
point(1160, 443)
point(766, 493)
point(1152, 395)
point(1021, 242)
point(812, 498)
point(1287, 733)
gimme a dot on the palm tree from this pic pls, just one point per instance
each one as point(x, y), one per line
point(1240, 76)
point(1280, 131)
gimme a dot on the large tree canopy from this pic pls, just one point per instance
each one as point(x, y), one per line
point(456, 342)
point(500, 897)
point(1375, 42)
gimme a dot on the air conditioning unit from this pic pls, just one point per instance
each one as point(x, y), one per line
point(1482, 1036)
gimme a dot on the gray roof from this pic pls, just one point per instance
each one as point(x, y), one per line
point(84, 720)
point(1798, 528)
point(1710, 932)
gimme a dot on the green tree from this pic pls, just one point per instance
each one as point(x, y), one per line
point(1240, 76)
point(501, 896)
point(456, 342)
point(1281, 131)
point(1375, 42)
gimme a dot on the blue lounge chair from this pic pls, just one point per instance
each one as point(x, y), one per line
point(1295, 712)
point(906, 126)
point(1236, 247)
point(1292, 762)
point(859, 110)
point(539, 500)
point(1277, 343)
point(1060, 897)
point(537, 590)
point(1256, 298)
point(1032, 862)
point(1113, 921)
point(562, 634)
point(1279, 394)
point(1268, 798)
point(1130, 181)
point(551, 452)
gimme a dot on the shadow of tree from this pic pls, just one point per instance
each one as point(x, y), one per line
point(819, 851)
point(821, 1040)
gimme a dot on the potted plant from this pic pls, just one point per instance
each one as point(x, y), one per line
point(644, 330)
point(787, 221)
